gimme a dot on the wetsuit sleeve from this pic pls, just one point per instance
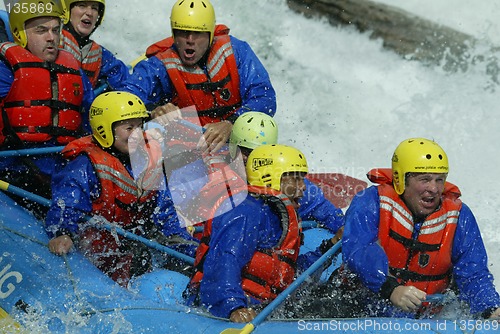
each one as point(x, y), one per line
point(314, 206)
point(256, 90)
point(470, 265)
point(149, 81)
point(6, 78)
point(113, 70)
point(88, 98)
point(73, 189)
point(362, 253)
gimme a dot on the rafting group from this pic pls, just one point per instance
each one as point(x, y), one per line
point(183, 150)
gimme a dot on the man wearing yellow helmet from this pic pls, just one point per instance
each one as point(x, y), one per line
point(100, 181)
point(42, 91)
point(216, 73)
point(240, 247)
point(81, 19)
point(411, 237)
point(250, 254)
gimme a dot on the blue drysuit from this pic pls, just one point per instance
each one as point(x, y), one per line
point(77, 185)
point(152, 84)
point(365, 257)
point(314, 206)
point(235, 237)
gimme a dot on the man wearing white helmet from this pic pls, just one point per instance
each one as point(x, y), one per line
point(203, 67)
point(411, 237)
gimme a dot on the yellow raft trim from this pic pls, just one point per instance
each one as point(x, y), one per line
point(8, 324)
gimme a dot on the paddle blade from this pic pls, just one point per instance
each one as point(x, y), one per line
point(338, 188)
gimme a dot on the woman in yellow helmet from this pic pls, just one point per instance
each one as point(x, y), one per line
point(81, 19)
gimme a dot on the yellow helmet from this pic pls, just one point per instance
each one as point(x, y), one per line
point(267, 163)
point(193, 15)
point(66, 5)
point(251, 130)
point(417, 155)
point(112, 107)
point(18, 16)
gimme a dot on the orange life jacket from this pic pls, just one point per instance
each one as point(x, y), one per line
point(45, 98)
point(215, 92)
point(224, 179)
point(270, 271)
point(424, 262)
point(89, 57)
point(121, 201)
point(166, 43)
point(121, 198)
point(223, 182)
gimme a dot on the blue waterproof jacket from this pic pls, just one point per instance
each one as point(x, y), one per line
point(314, 206)
point(235, 237)
point(113, 70)
point(73, 190)
point(151, 83)
point(368, 260)
point(5, 33)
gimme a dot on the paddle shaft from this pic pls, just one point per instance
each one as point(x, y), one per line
point(57, 149)
point(106, 225)
point(31, 151)
point(295, 284)
point(288, 291)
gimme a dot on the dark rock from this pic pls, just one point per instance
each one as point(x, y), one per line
point(408, 35)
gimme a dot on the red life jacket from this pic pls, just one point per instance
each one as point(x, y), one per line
point(424, 262)
point(121, 201)
point(270, 271)
point(45, 98)
point(215, 92)
point(223, 182)
point(89, 57)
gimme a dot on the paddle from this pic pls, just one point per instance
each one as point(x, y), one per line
point(249, 327)
point(104, 224)
point(338, 188)
point(31, 151)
